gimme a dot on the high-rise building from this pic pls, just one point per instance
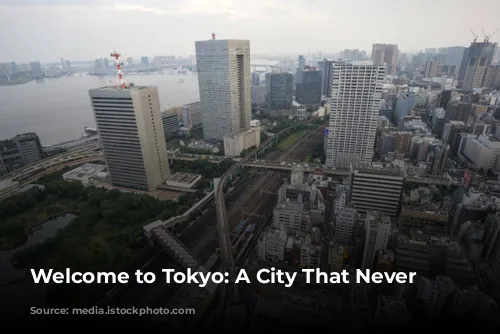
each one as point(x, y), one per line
point(325, 69)
point(144, 61)
point(431, 69)
point(191, 115)
point(377, 232)
point(29, 146)
point(354, 112)
point(388, 54)
point(36, 70)
point(131, 133)
point(279, 91)
point(475, 62)
point(308, 91)
point(171, 125)
point(224, 81)
point(377, 189)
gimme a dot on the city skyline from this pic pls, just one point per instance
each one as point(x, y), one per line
point(104, 22)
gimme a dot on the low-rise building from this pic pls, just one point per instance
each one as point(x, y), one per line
point(241, 140)
point(87, 173)
point(8, 187)
point(183, 180)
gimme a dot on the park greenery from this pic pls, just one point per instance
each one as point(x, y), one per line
point(105, 235)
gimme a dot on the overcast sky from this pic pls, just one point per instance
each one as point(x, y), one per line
point(87, 29)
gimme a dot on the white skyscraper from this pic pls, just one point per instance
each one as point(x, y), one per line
point(354, 112)
point(131, 133)
point(224, 81)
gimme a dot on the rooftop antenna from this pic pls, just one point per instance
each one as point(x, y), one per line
point(213, 35)
point(475, 35)
point(118, 63)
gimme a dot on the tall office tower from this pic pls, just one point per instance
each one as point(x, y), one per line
point(354, 108)
point(431, 69)
point(475, 62)
point(325, 69)
point(36, 70)
point(224, 82)
point(308, 91)
point(377, 233)
point(131, 133)
point(279, 91)
point(144, 61)
point(388, 54)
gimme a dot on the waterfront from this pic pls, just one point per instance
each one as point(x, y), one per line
point(14, 282)
point(57, 109)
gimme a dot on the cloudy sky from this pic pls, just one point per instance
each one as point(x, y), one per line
point(86, 29)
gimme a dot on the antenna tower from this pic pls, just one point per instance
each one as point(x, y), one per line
point(118, 64)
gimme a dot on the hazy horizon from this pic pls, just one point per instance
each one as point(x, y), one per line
point(82, 30)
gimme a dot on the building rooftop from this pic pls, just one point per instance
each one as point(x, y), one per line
point(116, 88)
point(183, 177)
point(6, 183)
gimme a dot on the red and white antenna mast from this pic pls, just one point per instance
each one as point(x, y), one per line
point(118, 63)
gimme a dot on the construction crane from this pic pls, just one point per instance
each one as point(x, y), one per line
point(118, 63)
point(486, 36)
point(475, 36)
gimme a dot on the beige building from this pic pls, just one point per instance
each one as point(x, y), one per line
point(386, 54)
point(241, 140)
point(8, 188)
point(431, 69)
point(131, 132)
point(402, 142)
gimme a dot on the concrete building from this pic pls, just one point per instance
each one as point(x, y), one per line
point(144, 61)
point(377, 189)
point(310, 252)
point(279, 91)
point(422, 218)
point(131, 133)
point(243, 139)
point(483, 152)
point(422, 253)
point(87, 173)
point(325, 68)
point(8, 188)
point(492, 79)
point(191, 115)
point(22, 150)
point(344, 224)
point(451, 137)
point(288, 216)
point(402, 142)
point(431, 69)
point(476, 60)
point(36, 70)
point(353, 113)
point(386, 143)
point(171, 125)
point(224, 81)
point(308, 89)
point(386, 54)
point(336, 258)
point(183, 180)
point(473, 206)
point(271, 245)
point(29, 147)
point(377, 233)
